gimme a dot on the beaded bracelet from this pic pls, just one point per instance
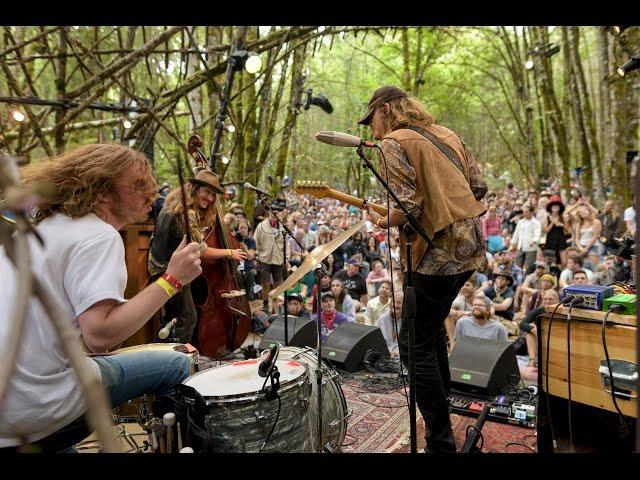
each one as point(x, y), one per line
point(166, 286)
point(173, 281)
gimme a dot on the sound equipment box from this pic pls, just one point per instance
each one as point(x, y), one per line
point(482, 366)
point(348, 344)
point(302, 333)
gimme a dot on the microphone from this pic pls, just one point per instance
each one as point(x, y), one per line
point(265, 365)
point(339, 139)
point(166, 330)
point(255, 189)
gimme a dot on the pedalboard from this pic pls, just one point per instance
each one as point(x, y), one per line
point(502, 409)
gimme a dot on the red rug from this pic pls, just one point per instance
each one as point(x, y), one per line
point(379, 423)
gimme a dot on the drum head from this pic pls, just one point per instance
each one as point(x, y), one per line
point(241, 378)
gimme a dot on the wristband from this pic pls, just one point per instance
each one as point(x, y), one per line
point(378, 222)
point(173, 281)
point(166, 286)
point(230, 253)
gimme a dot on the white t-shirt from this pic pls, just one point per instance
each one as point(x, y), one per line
point(81, 263)
point(630, 214)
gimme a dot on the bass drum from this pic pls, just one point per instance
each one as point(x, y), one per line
point(334, 405)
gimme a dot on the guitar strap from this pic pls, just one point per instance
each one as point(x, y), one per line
point(448, 152)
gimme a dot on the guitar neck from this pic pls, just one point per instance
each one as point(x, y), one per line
point(355, 201)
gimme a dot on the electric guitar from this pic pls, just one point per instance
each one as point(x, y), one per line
point(321, 190)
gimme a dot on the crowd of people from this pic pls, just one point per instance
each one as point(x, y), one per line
point(536, 246)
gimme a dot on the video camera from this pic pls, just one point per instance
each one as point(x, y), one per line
point(623, 247)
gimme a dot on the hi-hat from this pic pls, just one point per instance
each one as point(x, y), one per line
point(313, 258)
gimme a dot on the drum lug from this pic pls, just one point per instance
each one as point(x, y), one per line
point(261, 420)
point(304, 395)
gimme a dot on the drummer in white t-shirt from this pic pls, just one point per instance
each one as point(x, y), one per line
point(100, 189)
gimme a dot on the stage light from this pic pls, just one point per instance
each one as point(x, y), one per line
point(18, 116)
point(619, 29)
point(253, 64)
point(231, 128)
point(225, 160)
point(126, 124)
point(632, 64)
point(528, 64)
point(250, 61)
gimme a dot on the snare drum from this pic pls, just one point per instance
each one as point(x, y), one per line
point(177, 347)
point(238, 417)
point(334, 404)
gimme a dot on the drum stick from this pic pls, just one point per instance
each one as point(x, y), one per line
point(179, 437)
point(169, 420)
point(154, 441)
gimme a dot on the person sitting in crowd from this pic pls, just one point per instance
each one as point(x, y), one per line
point(390, 323)
point(613, 225)
point(547, 282)
point(479, 324)
point(356, 246)
point(372, 251)
point(574, 263)
point(502, 295)
point(530, 285)
point(376, 276)
point(550, 259)
point(344, 302)
point(329, 316)
point(528, 325)
point(295, 306)
point(378, 305)
point(504, 263)
point(461, 307)
point(325, 286)
point(615, 270)
point(353, 281)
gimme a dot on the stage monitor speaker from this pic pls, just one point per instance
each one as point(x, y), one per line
point(302, 333)
point(348, 344)
point(482, 366)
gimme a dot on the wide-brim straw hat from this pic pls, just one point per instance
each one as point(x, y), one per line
point(206, 178)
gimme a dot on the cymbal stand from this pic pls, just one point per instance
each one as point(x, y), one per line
point(265, 203)
point(319, 271)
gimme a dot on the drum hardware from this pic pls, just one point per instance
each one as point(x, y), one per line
point(336, 422)
point(262, 422)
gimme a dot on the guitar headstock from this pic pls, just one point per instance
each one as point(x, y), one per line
point(313, 187)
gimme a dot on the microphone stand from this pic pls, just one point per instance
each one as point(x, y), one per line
point(319, 272)
point(266, 205)
point(409, 309)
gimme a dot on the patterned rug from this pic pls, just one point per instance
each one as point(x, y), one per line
point(379, 423)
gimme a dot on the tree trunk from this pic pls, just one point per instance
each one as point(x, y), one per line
point(550, 101)
point(194, 97)
point(588, 117)
point(290, 121)
point(604, 90)
point(61, 85)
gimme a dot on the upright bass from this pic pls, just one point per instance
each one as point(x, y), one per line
point(224, 315)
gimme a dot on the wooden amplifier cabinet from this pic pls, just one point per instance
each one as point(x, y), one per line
point(586, 354)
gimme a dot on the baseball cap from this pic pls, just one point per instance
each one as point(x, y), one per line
point(353, 261)
point(327, 294)
point(381, 96)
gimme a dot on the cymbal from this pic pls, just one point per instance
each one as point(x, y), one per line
point(313, 258)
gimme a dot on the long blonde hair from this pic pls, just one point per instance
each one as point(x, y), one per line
point(406, 111)
point(173, 204)
point(82, 176)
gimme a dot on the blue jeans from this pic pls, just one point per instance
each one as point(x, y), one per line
point(130, 375)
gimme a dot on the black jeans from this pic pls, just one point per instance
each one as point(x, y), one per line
point(434, 296)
